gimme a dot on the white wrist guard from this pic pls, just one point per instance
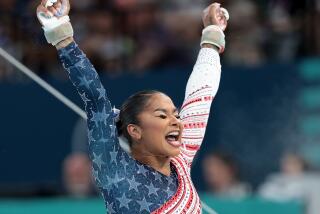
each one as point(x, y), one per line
point(56, 29)
point(213, 35)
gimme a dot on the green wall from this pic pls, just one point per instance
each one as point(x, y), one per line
point(67, 206)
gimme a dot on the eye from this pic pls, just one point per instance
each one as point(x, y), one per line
point(162, 116)
point(178, 117)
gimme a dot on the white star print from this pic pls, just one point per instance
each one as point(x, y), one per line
point(133, 184)
point(113, 130)
point(152, 189)
point(123, 162)
point(80, 64)
point(84, 82)
point(110, 208)
point(102, 92)
point(97, 159)
point(100, 116)
point(113, 156)
point(158, 177)
point(170, 192)
point(96, 175)
point(84, 98)
point(142, 170)
point(117, 178)
point(124, 201)
point(104, 115)
point(90, 135)
point(144, 205)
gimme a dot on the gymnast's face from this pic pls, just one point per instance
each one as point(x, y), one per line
point(159, 127)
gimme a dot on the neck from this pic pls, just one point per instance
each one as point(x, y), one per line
point(158, 162)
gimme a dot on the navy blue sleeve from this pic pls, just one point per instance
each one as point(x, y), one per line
point(127, 185)
point(103, 142)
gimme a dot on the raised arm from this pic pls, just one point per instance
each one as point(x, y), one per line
point(103, 141)
point(204, 81)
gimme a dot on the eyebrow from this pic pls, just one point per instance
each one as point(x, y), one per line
point(165, 110)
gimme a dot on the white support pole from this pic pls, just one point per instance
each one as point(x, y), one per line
point(43, 83)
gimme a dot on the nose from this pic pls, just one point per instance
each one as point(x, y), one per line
point(175, 121)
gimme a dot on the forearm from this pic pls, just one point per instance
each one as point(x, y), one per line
point(206, 72)
point(201, 88)
point(82, 74)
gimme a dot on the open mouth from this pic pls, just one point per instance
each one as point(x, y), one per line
point(173, 138)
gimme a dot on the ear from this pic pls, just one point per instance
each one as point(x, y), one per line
point(135, 132)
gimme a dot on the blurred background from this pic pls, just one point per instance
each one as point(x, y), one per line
point(261, 153)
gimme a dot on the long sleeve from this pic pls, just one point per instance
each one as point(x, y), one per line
point(201, 88)
point(103, 141)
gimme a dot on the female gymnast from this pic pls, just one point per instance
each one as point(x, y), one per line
point(154, 177)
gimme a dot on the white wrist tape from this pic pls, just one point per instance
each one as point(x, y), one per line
point(59, 33)
point(213, 35)
point(55, 29)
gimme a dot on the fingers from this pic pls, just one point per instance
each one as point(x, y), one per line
point(56, 8)
point(224, 17)
point(60, 11)
point(225, 13)
point(44, 3)
point(65, 4)
point(43, 11)
point(216, 9)
point(50, 11)
point(63, 7)
point(53, 10)
point(49, 3)
point(211, 9)
point(214, 14)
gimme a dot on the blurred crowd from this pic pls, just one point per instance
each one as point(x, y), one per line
point(122, 36)
point(295, 181)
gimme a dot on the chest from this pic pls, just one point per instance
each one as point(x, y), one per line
point(138, 189)
point(186, 199)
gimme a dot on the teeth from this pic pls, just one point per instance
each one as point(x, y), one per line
point(175, 133)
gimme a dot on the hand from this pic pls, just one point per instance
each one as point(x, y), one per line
point(53, 15)
point(215, 15)
point(49, 9)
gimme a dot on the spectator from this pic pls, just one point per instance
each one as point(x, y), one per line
point(145, 28)
point(77, 176)
point(293, 182)
point(246, 18)
point(280, 31)
point(221, 174)
point(285, 22)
